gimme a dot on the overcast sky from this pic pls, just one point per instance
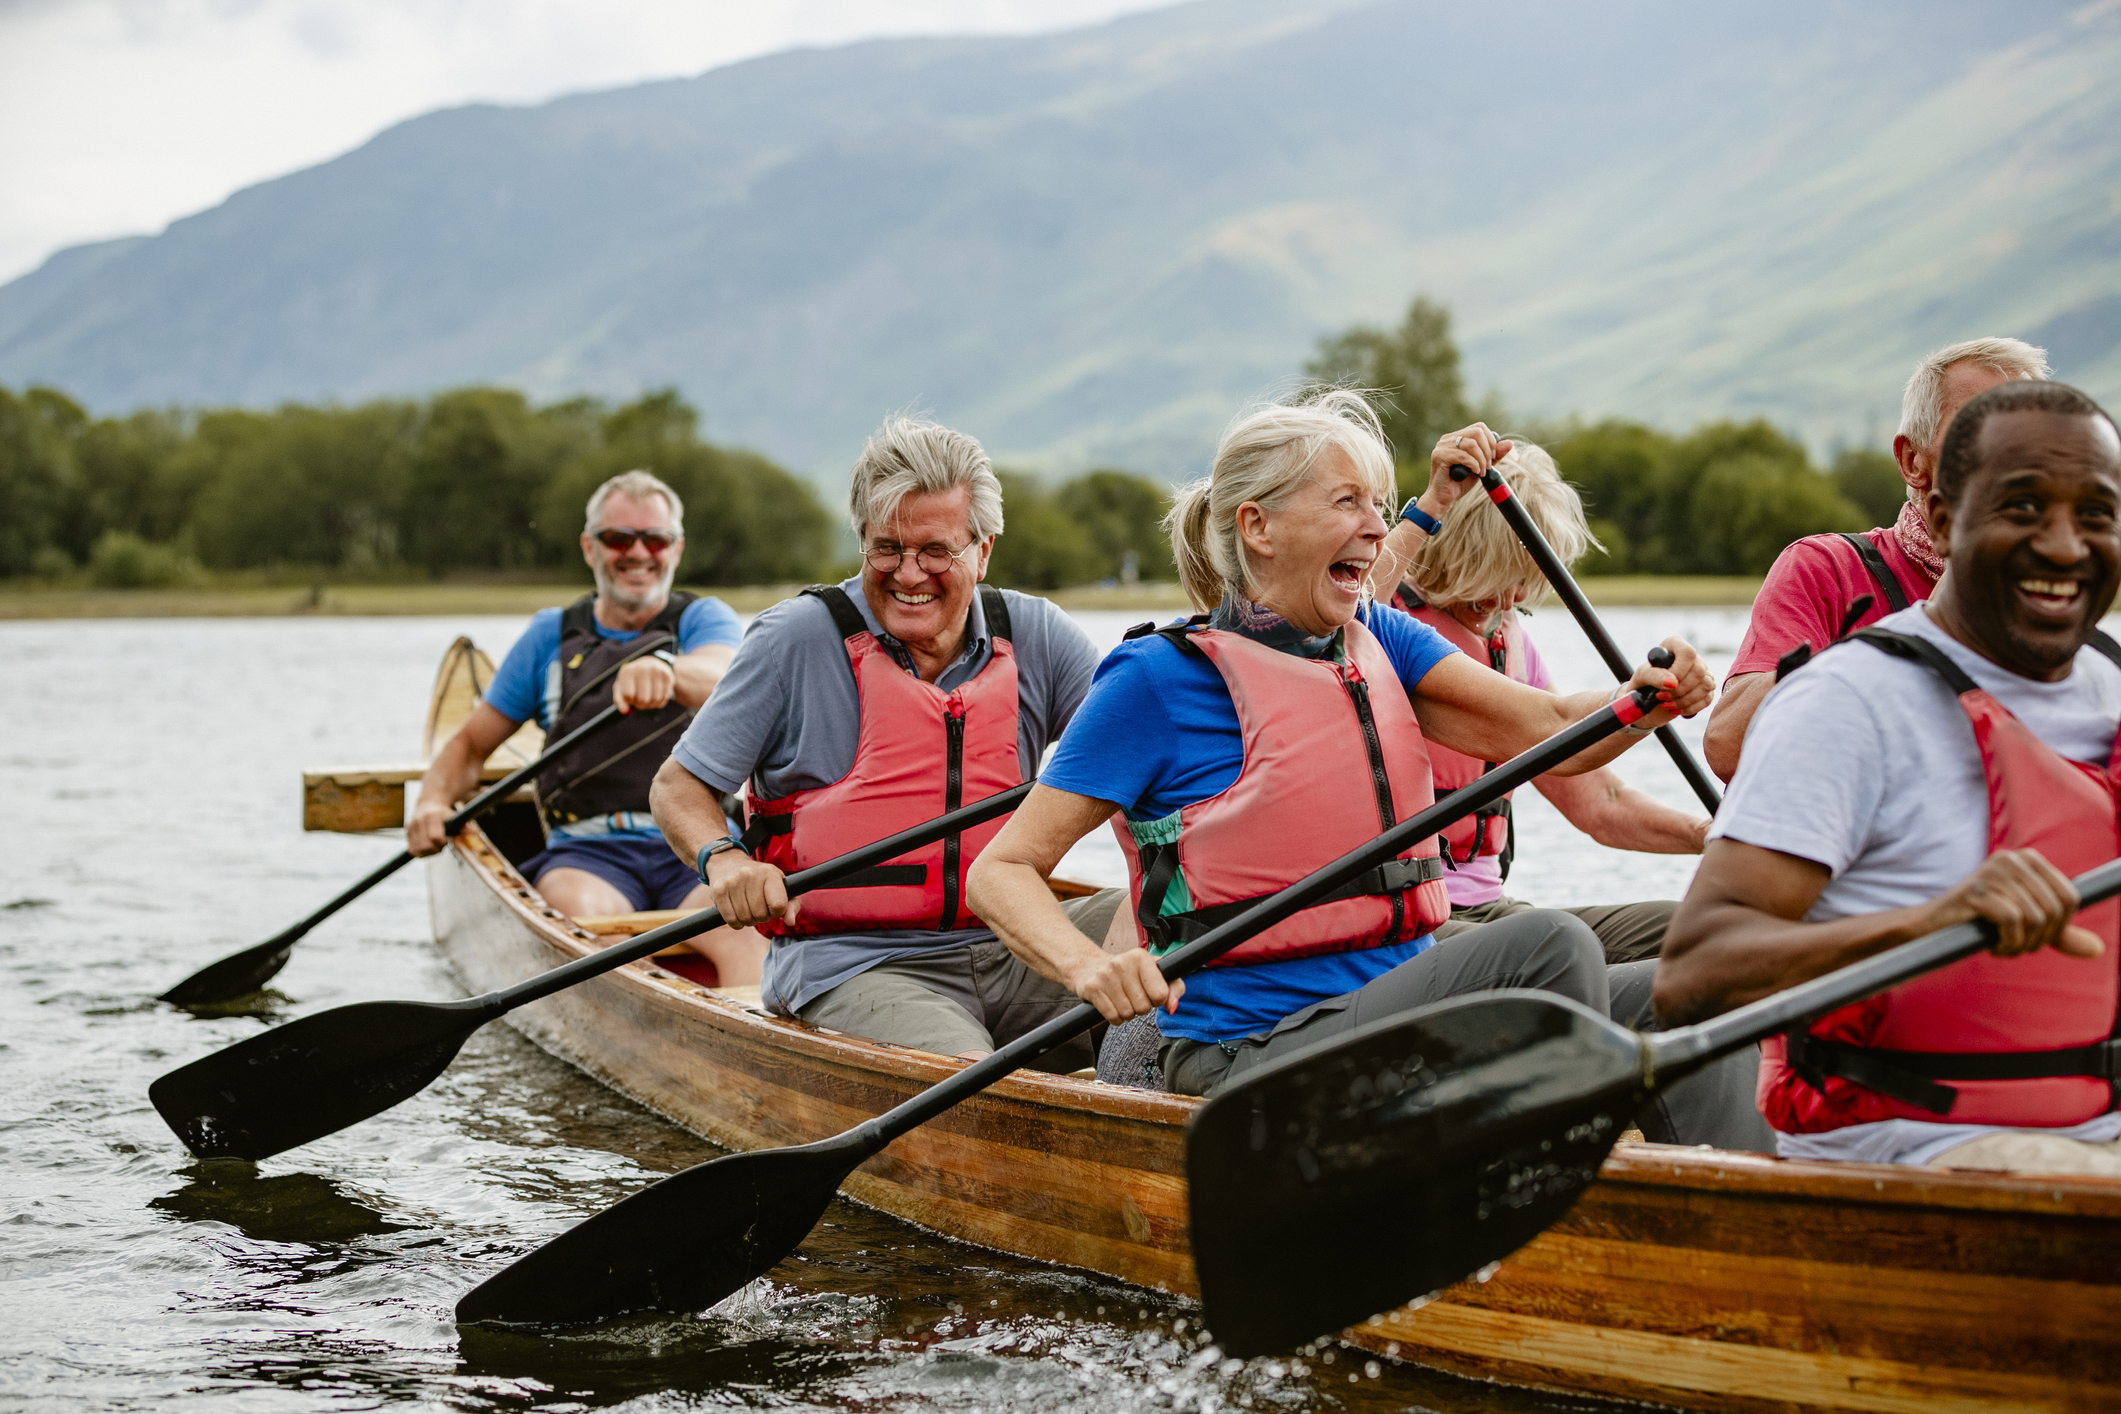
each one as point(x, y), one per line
point(117, 116)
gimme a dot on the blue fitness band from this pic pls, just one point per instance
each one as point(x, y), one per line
point(709, 850)
point(1413, 512)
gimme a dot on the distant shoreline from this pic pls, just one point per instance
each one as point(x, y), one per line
point(401, 600)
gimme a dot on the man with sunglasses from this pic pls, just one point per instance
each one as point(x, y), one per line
point(658, 655)
point(857, 710)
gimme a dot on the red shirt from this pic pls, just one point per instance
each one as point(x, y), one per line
point(1808, 592)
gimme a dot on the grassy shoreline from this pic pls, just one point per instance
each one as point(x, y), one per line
point(451, 598)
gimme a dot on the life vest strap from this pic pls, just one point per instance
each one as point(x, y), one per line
point(1169, 930)
point(1910, 1076)
point(1888, 582)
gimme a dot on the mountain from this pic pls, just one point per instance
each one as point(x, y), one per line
point(1095, 246)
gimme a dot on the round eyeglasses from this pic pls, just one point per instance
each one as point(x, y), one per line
point(886, 556)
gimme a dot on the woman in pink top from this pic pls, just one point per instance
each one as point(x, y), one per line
point(1466, 582)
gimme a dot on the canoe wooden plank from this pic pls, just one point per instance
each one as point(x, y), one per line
point(1570, 1357)
point(357, 799)
point(1691, 1277)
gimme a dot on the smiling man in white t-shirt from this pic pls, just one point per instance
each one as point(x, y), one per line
point(1954, 766)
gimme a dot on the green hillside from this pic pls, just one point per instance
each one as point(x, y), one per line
point(1093, 247)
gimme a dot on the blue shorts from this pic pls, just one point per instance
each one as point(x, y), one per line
point(642, 869)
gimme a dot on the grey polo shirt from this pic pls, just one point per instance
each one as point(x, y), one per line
point(786, 717)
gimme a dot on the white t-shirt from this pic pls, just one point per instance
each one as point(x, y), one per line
point(1866, 763)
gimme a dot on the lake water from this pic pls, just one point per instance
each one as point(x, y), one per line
point(150, 772)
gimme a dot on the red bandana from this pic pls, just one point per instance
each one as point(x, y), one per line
point(1914, 538)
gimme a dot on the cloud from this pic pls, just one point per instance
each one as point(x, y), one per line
point(121, 115)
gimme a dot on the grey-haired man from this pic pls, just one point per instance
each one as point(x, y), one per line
point(860, 709)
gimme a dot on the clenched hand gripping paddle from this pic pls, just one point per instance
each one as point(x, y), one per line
point(319, 1074)
point(1557, 574)
point(694, 1238)
point(240, 974)
point(1449, 1137)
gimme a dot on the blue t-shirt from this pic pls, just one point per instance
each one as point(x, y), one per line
point(1159, 732)
point(526, 686)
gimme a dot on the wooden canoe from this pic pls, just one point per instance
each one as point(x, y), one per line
point(1690, 1277)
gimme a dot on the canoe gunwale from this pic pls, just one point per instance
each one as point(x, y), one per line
point(1653, 1165)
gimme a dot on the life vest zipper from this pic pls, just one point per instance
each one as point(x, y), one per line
point(953, 797)
point(1359, 694)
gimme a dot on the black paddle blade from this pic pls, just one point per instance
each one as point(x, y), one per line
point(237, 975)
point(1347, 1180)
point(678, 1245)
point(311, 1077)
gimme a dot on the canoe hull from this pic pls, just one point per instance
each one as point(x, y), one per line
point(1686, 1277)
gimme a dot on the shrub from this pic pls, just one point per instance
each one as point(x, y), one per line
point(122, 560)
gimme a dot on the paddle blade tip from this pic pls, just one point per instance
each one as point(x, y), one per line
point(1467, 1127)
point(227, 980)
point(680, 1245)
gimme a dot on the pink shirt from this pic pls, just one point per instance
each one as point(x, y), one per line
point(1808, 592)
point(1479, 880)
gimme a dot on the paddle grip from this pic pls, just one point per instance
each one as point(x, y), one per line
point(1311, 889)
point(1679, 1053)
point(706, 920)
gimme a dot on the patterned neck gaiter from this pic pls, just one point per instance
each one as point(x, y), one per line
point(1914, 538)
point(1256, 621)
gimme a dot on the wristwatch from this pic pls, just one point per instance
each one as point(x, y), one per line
point(666, 655)
point(1413, 511)
point(711, 849)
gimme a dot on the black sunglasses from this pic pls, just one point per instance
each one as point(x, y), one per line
point(616, 539)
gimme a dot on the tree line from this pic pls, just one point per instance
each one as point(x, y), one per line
point(1725, 498)
point(477, 479)
point(480, 479)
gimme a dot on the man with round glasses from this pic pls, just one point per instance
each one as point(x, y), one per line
point(655, 653)
point(857, 710)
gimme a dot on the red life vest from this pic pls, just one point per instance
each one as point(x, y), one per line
point(921, 751)
point(1487, 830)
point(1329, 763)
point(2025, 1038)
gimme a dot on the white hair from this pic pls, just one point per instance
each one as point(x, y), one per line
point(1922, 406)
point(637, 486)
point(908, 454)
point(1264, 457)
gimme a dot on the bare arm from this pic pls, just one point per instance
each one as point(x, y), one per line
point(1733, 713)
point(1473, 710)
point(1738, 936)
point(1007, 889)
point(1619, 816)
point(453, 775)
point(745, 891)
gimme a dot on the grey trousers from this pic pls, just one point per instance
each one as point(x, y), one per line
point(964, 999)
point(1629, 932)
point(1544, 949)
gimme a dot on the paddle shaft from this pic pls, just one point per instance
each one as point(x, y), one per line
point(1681, 1052)
point(821, 876)
point(1311, 889)
point(1557, 574)
point(479, 804)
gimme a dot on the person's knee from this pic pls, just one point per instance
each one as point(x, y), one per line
point(901, 1011)
point(578, 893)
point(1559, 953)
